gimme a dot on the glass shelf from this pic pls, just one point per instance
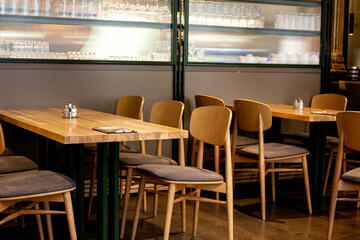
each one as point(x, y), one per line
point(283, 32)
point(269, 31)
point(101, 31)
point(81, 21)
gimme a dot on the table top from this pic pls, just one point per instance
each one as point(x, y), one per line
point(306, 115)
point(50, 124)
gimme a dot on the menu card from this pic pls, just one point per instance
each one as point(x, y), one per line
point(114, 130)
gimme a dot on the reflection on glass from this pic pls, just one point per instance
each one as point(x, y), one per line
point(89, 43)
point(125, 10)
point(298, 43)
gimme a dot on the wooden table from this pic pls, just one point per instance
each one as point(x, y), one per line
point(50, 124)
point(317, 145)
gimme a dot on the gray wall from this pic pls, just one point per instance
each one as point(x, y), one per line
point(95, 87)
point(99, 86)
point(268, 85)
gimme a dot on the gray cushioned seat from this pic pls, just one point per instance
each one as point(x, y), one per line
point(15, 163)
point(273, 150)
point(136, 159)
point(332, 140)
point(180, 173)
point(244, 141)
point(92, 147)
point(7, 152)
point(352, 175)
point(33, 183)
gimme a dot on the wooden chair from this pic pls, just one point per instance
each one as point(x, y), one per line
point(256, 117)
point(210, 125)
point(31, 188)
point(348, 129)
point(168, 113)
point(240, 141)
point(322, 101)
point(10, 163)
point(128, 106)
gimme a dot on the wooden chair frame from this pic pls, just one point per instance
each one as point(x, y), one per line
point(223, 187)
point(168, 113)
point(348, 125)
point(260, 121)
point(33, 208)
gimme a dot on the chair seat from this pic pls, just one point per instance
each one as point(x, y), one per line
point(332, 140)
point(14, 163)
point(244, 141)
point(273, 150)
point(33, 183)
point(92, 147)
point(180, 173)
point(136, 159)
point(7, 152)
point(352, 175)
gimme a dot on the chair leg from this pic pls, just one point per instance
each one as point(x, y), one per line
point(307, 187)
point(138, 205)
point(230, 213)
point(334, 194)
point(22, 217)
point(121, 192)
point(331, 156)
point(48, 222)
point(156, 200)
point(92, 184)
point(273, 193)
point(145, 202)
point(183, 212)
point(70, 215)
point(262, 191)
point(196, 214)
point(358, 203)
point(217, 164)
point(39, 224)
point(169, 210)
point(129, 177)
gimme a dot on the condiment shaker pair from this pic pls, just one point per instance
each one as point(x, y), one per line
point(70, 111)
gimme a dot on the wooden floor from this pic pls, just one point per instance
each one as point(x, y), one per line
point(282, 222)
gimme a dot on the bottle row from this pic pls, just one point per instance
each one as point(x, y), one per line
point(297, 21)
point(225, 14)
point(126, 10)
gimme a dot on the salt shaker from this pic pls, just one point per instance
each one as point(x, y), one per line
point(301, 104)
point(298, 104)
point(73, 112)
point(66, 111)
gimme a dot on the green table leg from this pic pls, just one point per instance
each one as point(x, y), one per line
point(317, 163)
point(102, 197)
point(114, 190)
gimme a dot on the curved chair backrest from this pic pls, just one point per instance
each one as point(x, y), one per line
point(205, 100)
point(248, 113)
point(348, 123)
point(131, 107)
point(168, 113)
point(329, 101)
point(210, 124)
point(2, 141)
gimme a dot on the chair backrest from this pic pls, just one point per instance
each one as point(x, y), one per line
point(131, 107)
point(205, 100)
point(329, 101)
point(210, 124)
point(248, 113)
point(168, 113)
point(2, 141)
point(348, 123)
